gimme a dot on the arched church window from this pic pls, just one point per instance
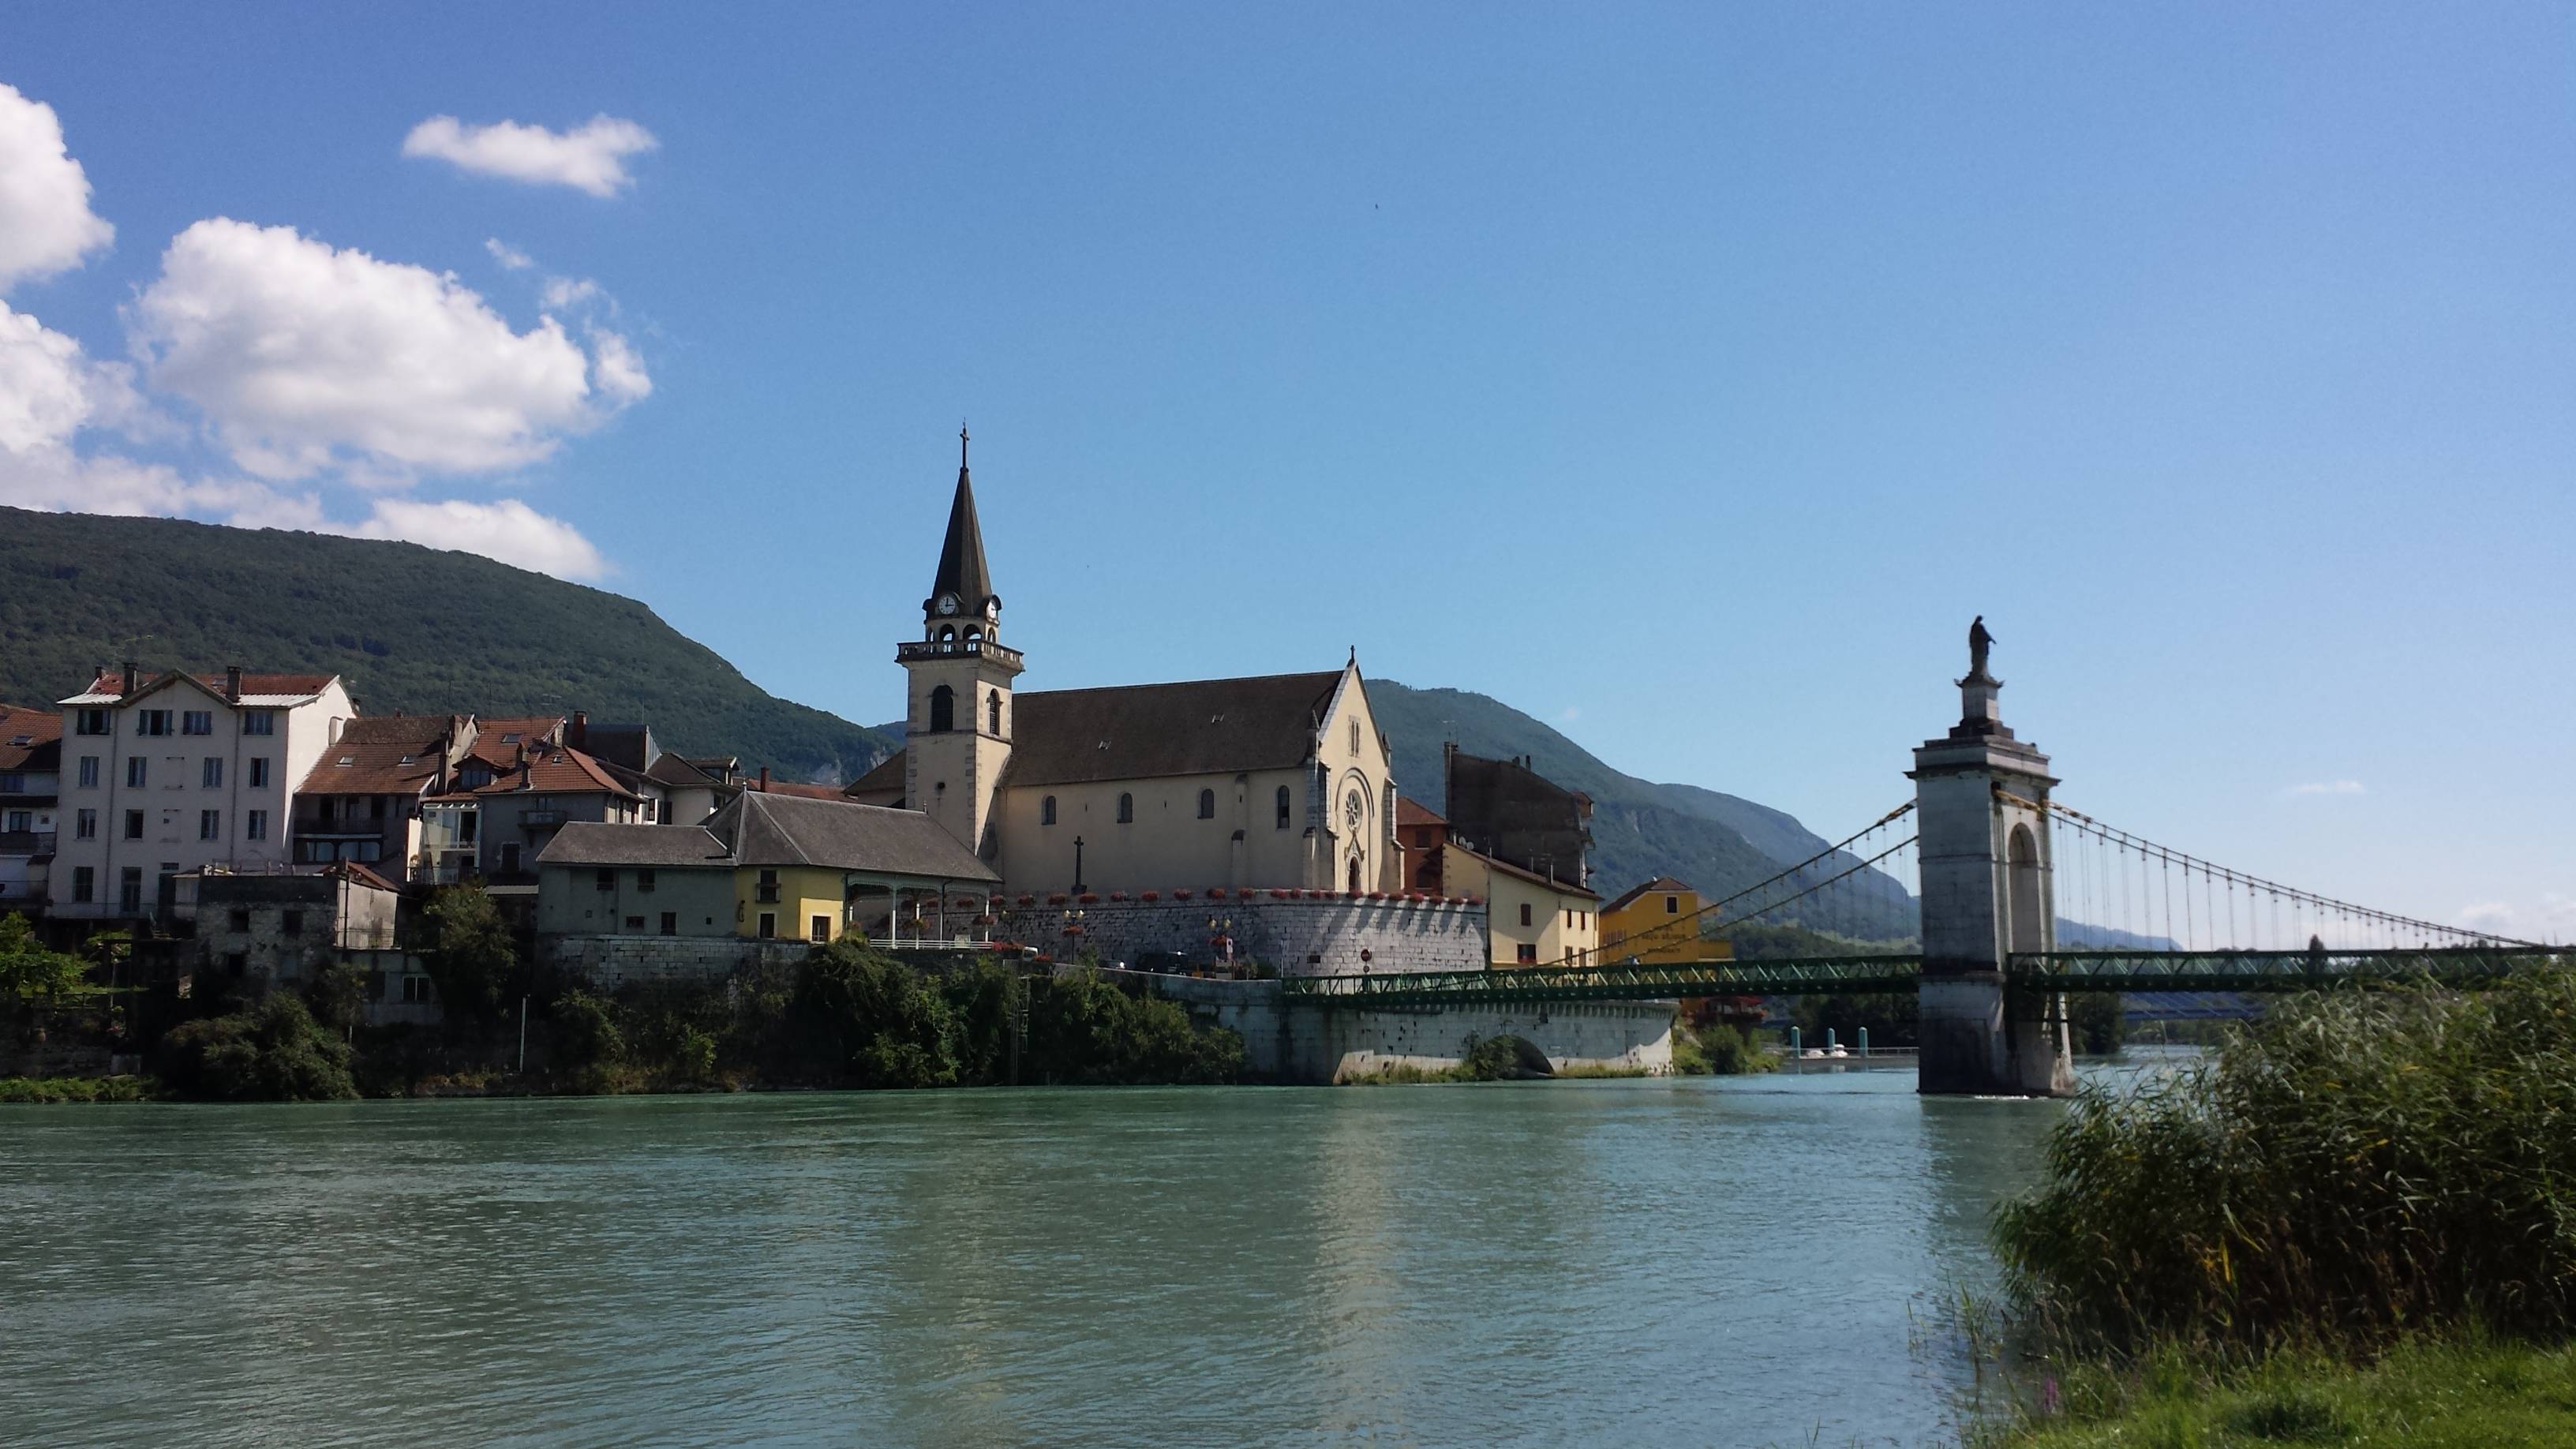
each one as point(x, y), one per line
point(948, 634)
point(993, 714)
point(943, 710)
point(1283, 807)
point(1126, 808)
point(1207, 804)
point(1046, 811)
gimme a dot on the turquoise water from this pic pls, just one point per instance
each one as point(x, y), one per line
point(1685, 1261)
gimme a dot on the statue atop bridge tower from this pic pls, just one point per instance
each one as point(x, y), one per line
point(1988, 893)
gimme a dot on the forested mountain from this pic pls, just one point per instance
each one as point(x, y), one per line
point(412, 629)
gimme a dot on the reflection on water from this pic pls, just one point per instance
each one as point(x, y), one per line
point(1657, 1262)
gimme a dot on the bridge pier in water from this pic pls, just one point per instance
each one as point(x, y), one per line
point(1987, 893)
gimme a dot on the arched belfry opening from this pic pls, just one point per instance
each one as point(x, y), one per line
point(943, 710)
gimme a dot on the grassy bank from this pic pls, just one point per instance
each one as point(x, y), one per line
point(2356, 1224)
point(2486, 1394)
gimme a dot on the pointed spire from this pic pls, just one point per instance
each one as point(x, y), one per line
point(962, 571)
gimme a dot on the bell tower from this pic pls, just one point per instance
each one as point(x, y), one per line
point(957, 717)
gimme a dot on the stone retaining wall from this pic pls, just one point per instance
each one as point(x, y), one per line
point(1310, 934)
point(1320, 1044)
point(609, 962)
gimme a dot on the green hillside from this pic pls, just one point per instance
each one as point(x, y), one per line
point(412, 629)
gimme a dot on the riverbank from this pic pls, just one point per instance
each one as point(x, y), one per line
point(2482, 1395)
point(2354, 1225)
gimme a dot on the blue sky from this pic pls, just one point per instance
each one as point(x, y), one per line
point(1685, 376)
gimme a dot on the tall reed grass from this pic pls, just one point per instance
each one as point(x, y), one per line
point(2356, 1167)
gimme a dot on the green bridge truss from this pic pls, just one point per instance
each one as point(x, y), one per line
point(2467, 967)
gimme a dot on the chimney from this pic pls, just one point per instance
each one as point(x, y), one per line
point(764, 779)
point(126, 681)
point(232, 682)
point(523, 765)
point(579, 737)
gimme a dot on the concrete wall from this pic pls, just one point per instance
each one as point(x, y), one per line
point(1313, 935)
point(282, 928)
point(1167, 846)
point(1316, 1045)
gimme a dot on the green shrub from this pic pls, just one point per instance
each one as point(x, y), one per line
point(872, 1021)
point(471, 957)
point(2354, 1166)
point(1719, 1049)
point(75, 1089)
point(1084, 1028)
point(275, 1052)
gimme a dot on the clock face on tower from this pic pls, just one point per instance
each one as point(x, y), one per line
point(948, 603)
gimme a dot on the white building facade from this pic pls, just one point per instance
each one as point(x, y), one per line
point(175, 772)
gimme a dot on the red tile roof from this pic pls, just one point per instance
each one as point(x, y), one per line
point(112, 681)
point(1409, 811)
point(551, 770)
point(384, 755)
point(42, 729)
point(790, 787)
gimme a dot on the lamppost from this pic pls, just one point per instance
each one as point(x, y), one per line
point(1077, 865)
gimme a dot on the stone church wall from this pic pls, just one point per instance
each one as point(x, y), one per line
point(1301, 933)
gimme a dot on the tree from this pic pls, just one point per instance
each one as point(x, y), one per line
point(30, 974)
point(471, 956)
point(274, 1052)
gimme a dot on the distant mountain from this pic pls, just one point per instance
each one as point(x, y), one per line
point(1719, 843)
point(411, 629)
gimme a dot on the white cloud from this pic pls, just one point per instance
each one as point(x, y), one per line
point(2552, 916)
point(561, 294)
point(508, 530)
point(2329, 787)
point(618, 371)
point(508, 255)
point(301, 358)
point(1570, 713)
point(46, 225)
point(591, 158)
point(304, 357)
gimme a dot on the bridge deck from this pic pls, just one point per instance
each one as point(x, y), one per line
point(2467, 968)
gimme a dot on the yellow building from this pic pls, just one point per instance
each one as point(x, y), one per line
point(1531, 919)
point(1658, 924)
point(808, 869)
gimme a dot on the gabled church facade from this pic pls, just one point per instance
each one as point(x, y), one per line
point(1272, 782)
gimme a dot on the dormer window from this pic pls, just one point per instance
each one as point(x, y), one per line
point(510, 739)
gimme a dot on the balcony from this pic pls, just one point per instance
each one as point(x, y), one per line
point(26, 842)
point(540, 819)
point(956, 649)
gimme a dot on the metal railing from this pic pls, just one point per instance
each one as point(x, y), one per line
point(1804, 976)
point(2464, 967)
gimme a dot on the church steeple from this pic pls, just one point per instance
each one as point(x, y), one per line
point(963, 589)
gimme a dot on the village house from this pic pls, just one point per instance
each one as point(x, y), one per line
point(768, 866)
point(1277, 781)
point(31, 749)
point(1658, 924)
point(174, 772)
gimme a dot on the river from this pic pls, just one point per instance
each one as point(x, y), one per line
point(1676, 1261)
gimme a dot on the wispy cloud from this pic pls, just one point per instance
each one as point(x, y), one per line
point(508, 255)
point(2328, 787)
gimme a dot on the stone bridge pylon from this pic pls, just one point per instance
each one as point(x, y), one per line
point(1988, 893)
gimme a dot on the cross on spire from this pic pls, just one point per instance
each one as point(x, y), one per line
point(961, 442)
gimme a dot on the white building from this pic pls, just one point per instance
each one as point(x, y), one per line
point(163, 773)
point(30, 766)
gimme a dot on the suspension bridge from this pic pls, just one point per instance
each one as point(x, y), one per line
point(2019, 901)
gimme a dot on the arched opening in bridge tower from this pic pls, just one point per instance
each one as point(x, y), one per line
point(2027, 900)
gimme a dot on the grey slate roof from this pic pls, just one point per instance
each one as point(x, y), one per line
point(592, 842)
point(1137, 731)
point(771, 829)
point(887, 774)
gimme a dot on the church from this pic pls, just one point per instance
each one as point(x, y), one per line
point(1268, 783)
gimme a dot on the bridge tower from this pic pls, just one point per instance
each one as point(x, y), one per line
point(1981, 824)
